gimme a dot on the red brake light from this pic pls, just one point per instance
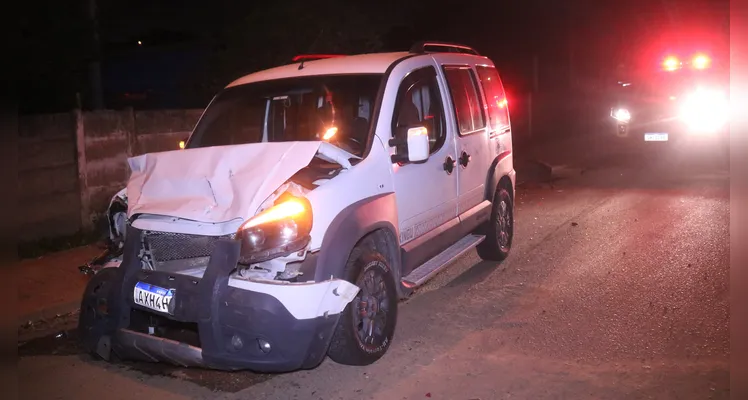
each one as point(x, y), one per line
point(310, 57)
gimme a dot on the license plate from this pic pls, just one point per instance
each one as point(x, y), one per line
point(655, 137)
point(153, 297)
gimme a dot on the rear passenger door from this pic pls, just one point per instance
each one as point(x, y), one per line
point(474, 155)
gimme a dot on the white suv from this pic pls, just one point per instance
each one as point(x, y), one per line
point(308, 200)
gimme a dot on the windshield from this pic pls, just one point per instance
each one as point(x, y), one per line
point(335, 108)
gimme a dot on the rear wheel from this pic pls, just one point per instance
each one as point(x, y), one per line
point(499, 230)
point(367, 324)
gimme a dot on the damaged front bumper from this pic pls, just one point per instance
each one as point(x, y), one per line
point(108, 258)
point(214, 321)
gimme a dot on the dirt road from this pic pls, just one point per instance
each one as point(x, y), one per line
point(617, 288)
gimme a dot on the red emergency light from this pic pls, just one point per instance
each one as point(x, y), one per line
point(701, 61)
point(671, 63)
point(698, 61)
point(311, 57)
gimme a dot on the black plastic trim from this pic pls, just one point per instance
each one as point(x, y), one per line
point(471, 219)
point(219, 311)
point(420, 48)
point(423, 248)
point(348, 227)
point(493, 178)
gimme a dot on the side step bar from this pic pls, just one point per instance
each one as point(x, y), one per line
point(420, 275)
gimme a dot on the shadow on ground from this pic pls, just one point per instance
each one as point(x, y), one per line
point(65, 343)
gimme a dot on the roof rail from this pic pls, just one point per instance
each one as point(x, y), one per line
point(312, 57)
point(442, 47)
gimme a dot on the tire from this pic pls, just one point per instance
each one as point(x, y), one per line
point(94, 320)
point(371, 272)
point(499, 230)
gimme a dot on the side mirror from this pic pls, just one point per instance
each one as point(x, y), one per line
point(418, 144)
point(412, 145)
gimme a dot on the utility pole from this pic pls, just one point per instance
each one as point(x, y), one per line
point(94, 66)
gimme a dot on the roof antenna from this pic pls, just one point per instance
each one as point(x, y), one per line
point(301, 66)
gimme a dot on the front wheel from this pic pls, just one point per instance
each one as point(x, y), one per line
point(95, 320)
point(499, 230)
point(367, 324)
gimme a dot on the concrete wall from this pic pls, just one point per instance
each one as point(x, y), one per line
point(113, 136)
point(48, 191)
point(162, 130)
point(71, 164)
point(104, 141)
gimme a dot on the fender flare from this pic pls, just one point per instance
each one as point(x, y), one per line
point(347, 228)
point(493, 179)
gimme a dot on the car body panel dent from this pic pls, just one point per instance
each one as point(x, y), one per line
point(213, 184)
point(305, 300)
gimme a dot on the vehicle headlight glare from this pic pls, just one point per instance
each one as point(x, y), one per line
point(280, 230)
point(705, 111)
point(255, 237)
point(621, 114)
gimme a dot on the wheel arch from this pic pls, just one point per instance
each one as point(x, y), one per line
point(506, 182)
point(374, 220)
point(498, 176)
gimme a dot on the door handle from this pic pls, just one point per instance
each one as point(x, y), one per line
point(464, 159)
point(449, 164)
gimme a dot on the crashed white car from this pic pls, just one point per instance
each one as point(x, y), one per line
point(309, 199)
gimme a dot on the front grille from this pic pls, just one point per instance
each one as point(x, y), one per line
point(166, 246)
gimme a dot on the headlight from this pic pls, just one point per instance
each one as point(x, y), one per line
point(705, 111)
point(277, 231)
point(621, 114)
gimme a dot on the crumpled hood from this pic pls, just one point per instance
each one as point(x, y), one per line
point(213, 184)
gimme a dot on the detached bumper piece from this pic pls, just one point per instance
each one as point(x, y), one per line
point(210, 324)
point(159, 349)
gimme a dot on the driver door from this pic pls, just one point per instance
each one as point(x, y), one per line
point(426, 192)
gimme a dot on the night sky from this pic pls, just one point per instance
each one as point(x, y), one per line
point(189, 49)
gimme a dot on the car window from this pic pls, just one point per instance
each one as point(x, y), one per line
point(498, 112)
point(419, 104)
point(333, 108)
point(464, 92)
